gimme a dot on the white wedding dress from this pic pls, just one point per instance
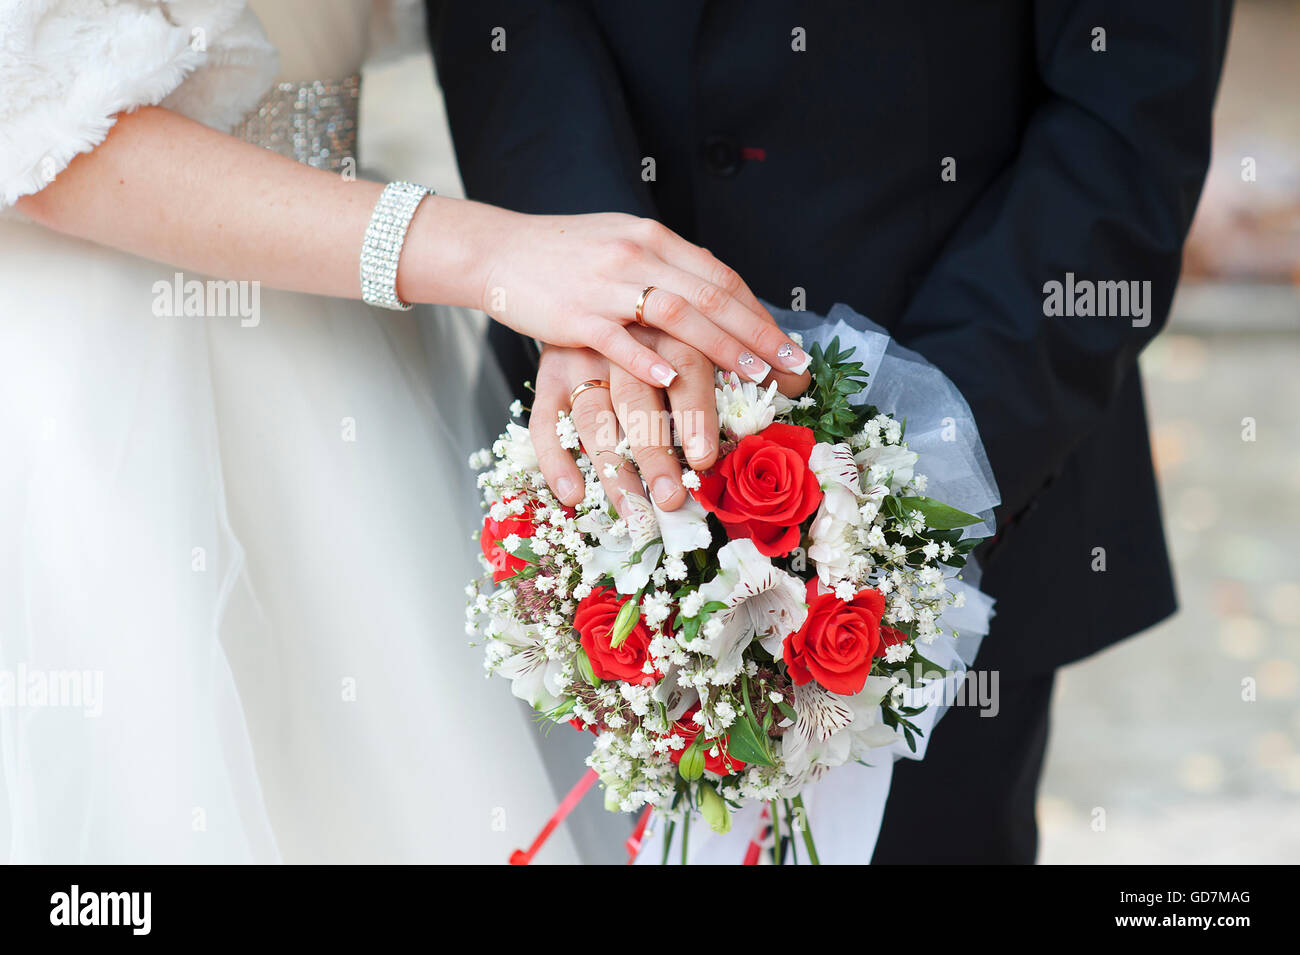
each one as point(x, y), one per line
point(232, 555)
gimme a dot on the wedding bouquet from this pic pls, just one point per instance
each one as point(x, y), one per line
point(774, 627)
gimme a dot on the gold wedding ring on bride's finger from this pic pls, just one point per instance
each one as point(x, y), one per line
point(640, 304)
point(585, 386)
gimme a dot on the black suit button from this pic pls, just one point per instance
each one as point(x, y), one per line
point(721, 155)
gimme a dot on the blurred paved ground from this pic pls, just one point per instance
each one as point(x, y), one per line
point(1155, 731)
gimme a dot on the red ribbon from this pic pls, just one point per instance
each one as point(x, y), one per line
point(756, 843)
point(633, 843)
point(570, 802)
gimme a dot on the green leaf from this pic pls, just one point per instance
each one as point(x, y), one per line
point(952, 536)
point(928, 667)
point(524, 551)
point(938, 515)
point(558, 712)
point(745, 743)
point(691, 625)
point(911, 740)
point(744, 739)
point(583, 662)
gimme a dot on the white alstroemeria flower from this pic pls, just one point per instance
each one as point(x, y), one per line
point(516, 651)
point(515, 448)
point(685, 529)
point(762, 601)
point(832, 530)
point(891, 460)
point(867, 731)
point(815, 738)
point(642, 525)
point(837, 471)
point(743, 407)
point(832, 729)
point(614, 555)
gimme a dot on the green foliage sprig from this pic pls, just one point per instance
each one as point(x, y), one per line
point(835, 379)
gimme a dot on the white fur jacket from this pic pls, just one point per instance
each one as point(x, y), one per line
point(68, 67)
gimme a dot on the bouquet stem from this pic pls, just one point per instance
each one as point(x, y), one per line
point(777, 854)
point(807, 830)
point(790, 825)
point(668, 842)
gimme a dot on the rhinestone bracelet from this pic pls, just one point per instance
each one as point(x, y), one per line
point(383, 243)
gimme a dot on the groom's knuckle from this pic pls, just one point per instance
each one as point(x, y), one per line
point(549, 376)
point(597, 425)
point(586, 417)
point(648, 424)
point(689, 363)
point(650, 457)
point(651, 461)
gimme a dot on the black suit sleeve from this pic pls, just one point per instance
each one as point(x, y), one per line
point(541, 126)
point(1104, 186)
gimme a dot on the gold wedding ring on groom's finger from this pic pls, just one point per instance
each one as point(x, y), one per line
point(640, 304)
point(586, 386)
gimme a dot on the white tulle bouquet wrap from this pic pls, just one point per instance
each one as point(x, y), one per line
point(795, 616)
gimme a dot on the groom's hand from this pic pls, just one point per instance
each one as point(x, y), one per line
point(631, 409)
point(628, 407)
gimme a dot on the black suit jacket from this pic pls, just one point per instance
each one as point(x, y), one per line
point(819, 172)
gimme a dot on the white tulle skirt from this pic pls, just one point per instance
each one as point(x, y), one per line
point(232, 560)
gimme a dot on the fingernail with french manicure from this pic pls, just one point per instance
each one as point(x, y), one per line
point(662, 374)
point(755, 369)
point(565, 488)
point(794, 358)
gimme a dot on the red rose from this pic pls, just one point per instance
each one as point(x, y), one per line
point(594, 619)
point(764, 489)
point(837, 641)
point(505, 564)
point(723, 764)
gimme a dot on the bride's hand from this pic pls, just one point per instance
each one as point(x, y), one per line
point(568, 280)
point(575, 281)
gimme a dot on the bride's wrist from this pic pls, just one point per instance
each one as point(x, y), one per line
point(447, 256)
